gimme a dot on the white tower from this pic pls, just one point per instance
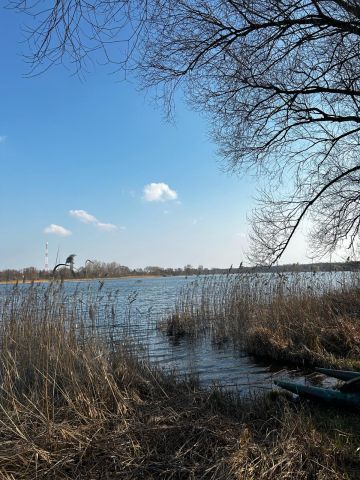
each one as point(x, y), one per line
point(46, 257)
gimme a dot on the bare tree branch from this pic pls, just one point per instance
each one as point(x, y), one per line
point(279, 80)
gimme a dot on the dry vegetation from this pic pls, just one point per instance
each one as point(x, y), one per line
point(299, 319)
point(76, 405)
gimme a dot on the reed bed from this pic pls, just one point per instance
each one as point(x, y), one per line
point(302, 319)
point(75, 404)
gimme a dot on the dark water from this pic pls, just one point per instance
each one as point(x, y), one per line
point(136, 306)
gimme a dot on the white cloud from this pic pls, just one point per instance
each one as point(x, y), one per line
point(83, 216)
point(86, 217)
point(57, 230)
point(108, 227)
point(3, 138)
point(241, 235)
point(159, 192)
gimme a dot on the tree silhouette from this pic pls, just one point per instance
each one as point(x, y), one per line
point(280, 80)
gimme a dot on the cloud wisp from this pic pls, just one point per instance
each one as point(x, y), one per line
point(57, 230)
point(159, 192)
point(83, 216)
point(86, 217)
point(107, 227)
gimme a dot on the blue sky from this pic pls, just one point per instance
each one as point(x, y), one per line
point(93, 145)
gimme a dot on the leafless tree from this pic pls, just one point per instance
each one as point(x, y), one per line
point(280, 80)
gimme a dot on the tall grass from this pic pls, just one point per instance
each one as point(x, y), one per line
point(301, 319)
point(77, 403)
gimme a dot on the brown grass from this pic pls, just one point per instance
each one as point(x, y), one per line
point(299, 321)
point(74, 405)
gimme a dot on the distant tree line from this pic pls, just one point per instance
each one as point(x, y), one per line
point(97, 269)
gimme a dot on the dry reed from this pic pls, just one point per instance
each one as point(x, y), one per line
point(298, 319)
point(77, 405)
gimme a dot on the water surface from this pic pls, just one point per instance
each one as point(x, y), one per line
point(135, 306)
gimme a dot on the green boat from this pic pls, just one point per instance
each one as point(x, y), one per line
point(330, 396)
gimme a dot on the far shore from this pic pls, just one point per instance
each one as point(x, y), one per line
point(280, 269)
point(46, 280)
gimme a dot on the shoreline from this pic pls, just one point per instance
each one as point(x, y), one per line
point(43, 280)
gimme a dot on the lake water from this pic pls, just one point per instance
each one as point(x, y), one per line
point(136, 305)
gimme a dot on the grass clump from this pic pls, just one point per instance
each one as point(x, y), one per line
point(308, 329)
point(289, 319)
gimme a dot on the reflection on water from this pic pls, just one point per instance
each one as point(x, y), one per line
point(135, 306)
